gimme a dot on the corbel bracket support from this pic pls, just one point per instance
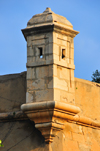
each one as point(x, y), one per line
point(50, 116)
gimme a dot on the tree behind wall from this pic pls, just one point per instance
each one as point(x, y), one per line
point(96, 76)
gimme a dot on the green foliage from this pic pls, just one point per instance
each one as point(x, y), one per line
point(1, 145)
point(14, 113)
point(96, 76)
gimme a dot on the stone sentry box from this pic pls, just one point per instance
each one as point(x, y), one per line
point(50, 95)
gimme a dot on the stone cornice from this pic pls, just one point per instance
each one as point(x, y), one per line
point(85, 121)
point(12, 116)
point(50, 116)
point(65, 111)
point(50, 105)
point(48, 28)
point(50, 62)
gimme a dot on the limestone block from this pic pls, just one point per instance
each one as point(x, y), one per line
point(64, 96)
point(57, 95)
point(33, 60)
point(30, 73)
point(72, 43)
point(67, 59)
point(64, 63)
point(68, 97)
point(64, 73)
point(37, 58)
point(29, 59)
point(72, 61)
point(38, 36)
point(38, 41)
point(30, 51)
point(33, 73)
point(39, 84)
point(50, 37)
point(55, 35)
point(50, 56)
point(56, 49)
point(61, 42)
point(47, 57)
point(55, 57)
point(47, 49)
point(41, 62)
point(72, 53)
point(50, 48)
point(64, 42)
point(72, 75)
point(36, 84)
point(50, 70)
point(29, 97)
point(60, 84)
point(29, 41)
point(68, 53)
point(49, 62)
point(42, 72)
point(46, 40)
point(61, 36)
point(54, 70)
point(58, 71)
point(44, 95)
point(50, 82)
point(37, 53)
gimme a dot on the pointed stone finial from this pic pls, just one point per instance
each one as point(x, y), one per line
point(47, 10)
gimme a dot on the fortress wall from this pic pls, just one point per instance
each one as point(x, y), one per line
point(12, 92)
point(87, 97)
point(22, 135)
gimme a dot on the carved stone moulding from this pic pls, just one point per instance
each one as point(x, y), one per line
point(50, 116)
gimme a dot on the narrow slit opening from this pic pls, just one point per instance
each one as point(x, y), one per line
point(41, 52)
point(63, 53)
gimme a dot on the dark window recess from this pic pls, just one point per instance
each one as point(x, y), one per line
point(41, 52)
point(63, 53)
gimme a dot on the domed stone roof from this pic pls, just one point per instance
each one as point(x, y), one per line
point(48, 17)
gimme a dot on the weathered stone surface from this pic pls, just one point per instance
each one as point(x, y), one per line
point(49, 16)
point(74, 136)
point(12, 92)
point(87, 96)
point(30, 73)
point(21, 136)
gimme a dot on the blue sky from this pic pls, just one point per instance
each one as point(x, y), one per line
point(83, 14)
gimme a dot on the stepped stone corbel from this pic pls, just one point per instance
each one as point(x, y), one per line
point(50, 116)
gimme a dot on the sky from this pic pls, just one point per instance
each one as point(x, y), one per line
point(84, 16)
